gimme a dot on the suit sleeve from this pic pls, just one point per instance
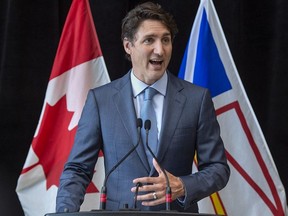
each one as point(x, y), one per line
point(78, 170)
point(213, 170)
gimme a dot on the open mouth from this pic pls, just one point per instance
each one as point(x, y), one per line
point(156, 62)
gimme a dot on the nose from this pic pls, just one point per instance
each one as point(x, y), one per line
point(158, 48)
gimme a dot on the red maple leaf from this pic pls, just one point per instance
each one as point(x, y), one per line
point(54, 141)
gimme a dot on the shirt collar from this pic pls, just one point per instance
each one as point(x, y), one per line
point(138, 86)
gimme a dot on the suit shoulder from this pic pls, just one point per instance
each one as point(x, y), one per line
point(186, 84)
point(113, 85)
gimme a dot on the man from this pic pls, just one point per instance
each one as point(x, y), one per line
point(185, 124)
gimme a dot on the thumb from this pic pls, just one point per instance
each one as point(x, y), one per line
point(156, 165)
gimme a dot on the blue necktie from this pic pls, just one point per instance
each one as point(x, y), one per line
point(148, 112)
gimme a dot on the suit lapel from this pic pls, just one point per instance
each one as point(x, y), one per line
point(173, 107)
point(125, 107)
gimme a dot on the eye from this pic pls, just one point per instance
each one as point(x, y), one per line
point(166, 40)
point(148, 41)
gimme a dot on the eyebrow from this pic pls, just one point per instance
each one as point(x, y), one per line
point(153, 35)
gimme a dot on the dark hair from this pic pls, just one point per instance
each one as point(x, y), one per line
point(142, 12)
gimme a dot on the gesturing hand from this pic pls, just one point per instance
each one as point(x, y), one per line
point(155, 187)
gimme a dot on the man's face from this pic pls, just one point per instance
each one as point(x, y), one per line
point(150, 51)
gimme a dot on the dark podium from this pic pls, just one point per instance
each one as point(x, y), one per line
point(128, 213)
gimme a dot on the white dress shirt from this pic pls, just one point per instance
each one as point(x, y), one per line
point(138, 88)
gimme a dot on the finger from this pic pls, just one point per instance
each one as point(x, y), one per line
point(145, 180)
point(157, 167)
point(146, 197)
point(152, 202)
point(152, 196)
point(146, 188)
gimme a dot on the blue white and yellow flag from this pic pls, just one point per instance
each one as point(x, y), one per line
point(254, 187)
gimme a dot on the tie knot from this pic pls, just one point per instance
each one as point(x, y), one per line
point(149, 93)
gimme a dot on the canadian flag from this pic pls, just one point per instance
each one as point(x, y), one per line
point(78, 67)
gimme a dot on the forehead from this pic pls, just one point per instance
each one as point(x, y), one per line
point(152, 27)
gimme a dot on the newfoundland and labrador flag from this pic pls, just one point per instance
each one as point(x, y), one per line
point(78, 67)
point(254, 187)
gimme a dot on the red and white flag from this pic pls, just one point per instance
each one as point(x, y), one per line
point(254, 187)
point(78, 67)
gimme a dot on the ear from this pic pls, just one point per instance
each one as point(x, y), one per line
point(127, 46)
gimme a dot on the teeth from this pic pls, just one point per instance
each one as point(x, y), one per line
point(156, 61)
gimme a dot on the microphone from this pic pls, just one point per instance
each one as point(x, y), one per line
point(139, 184)
point(103, 196)
point(147, 126)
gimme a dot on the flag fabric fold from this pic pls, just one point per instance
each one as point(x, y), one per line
point(254, 187)
point(78, 66)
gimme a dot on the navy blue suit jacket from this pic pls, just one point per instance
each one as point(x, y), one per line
point(108, 122)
